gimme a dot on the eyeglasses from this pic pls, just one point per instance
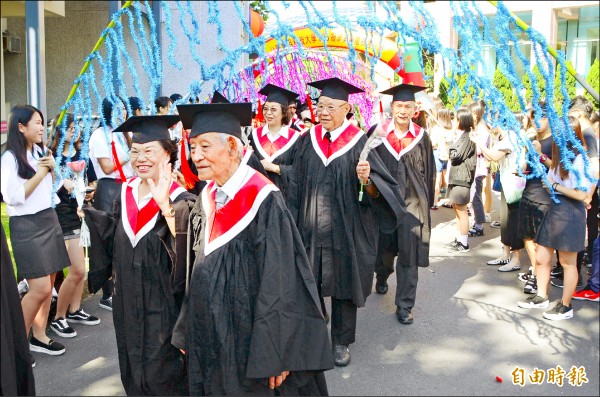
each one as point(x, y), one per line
point(307, 121)
point(330, 109)
point(272, 110)
point(147, 153)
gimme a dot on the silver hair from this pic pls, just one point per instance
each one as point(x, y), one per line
point(240, 146)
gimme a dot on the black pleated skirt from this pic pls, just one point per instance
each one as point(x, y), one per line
point(563, 227)
point(38, 244)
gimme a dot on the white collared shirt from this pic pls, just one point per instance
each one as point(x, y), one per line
point(140, 201)
point(411, 129)
point(335, 134)
point(13, 186)
point(237, 181)
point(101, 148)
point(283, 131)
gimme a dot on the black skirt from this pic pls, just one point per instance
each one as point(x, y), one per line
point(509, 224)
point(38, 244)
point(107, 191)
point(563, 227)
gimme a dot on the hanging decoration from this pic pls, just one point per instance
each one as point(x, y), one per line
point(326, 45)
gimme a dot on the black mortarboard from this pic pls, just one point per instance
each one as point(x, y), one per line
point(403, 92)
point(277, 94)
point(349, 115)
point(148, 128)
point(227, 118)
point(135, 103)
point(218, 98)
point(335, 88)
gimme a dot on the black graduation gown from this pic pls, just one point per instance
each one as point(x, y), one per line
point(284, 161)
point(17, 374)
point(415, 173)
point(149, 284)
point(252, 310)
point(328, 214)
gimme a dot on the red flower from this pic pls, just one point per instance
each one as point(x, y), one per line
point(76, 166)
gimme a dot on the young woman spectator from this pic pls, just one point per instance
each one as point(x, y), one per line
point(68, 306)
point(562, 229)
point(441, 137)
point(38, 247)
point(105, 166)
point(535, 200)
point(504, 153)
point(463, 159)
point(481, 171)
point(163, 105)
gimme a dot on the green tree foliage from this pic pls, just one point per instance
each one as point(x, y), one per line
point(569, 83)
point(259, 6)
point(451, 97)
point(593, 78)
point(503, 85)
point(428, 65)
point(541, 84)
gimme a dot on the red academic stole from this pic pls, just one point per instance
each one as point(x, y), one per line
point(271, 150)
point(398, 147)
point(329, 151)
point(227, 222)
point(138, 222)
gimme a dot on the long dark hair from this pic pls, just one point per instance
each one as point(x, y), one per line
point(107, 111)
point(58, 132)
point(16, 142)
point(576, 127)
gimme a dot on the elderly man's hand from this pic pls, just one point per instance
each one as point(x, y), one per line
point(363, 170)
point(276, 381)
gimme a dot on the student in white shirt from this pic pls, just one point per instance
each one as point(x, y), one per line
point(36, 236)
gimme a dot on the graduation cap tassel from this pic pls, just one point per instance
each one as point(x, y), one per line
point(190, 178)
point(116, 162)
point(259, 115)
point(381, 110)
point(310, 108)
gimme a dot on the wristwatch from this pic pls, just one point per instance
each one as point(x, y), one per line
point(169, 214)
point(543, 158)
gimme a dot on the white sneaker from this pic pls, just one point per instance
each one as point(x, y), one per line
point(488, 218)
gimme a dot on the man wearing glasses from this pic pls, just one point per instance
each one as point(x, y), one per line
point(339, 230)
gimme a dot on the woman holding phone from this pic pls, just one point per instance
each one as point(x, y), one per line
point(38, 247)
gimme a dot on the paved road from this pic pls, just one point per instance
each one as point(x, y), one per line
point(467, 331)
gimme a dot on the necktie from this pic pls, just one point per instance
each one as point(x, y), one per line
point(328, 139)
point(220, 198)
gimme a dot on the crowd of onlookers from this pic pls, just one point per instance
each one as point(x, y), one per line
point(471, 159)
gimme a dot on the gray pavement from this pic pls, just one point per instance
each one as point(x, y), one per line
point(468, 330)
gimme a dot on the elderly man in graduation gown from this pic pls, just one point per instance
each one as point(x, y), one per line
point(251, 322)
point(408, 155)
point(339, 203)
point(143, 242)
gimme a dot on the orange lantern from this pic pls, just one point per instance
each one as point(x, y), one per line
point(257, 24)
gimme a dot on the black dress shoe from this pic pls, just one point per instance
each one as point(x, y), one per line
point(381, 286)
point(341, 355)
point(404, 315)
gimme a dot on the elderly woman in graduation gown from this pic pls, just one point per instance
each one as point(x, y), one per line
point(142, 243)
point(251, 322)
